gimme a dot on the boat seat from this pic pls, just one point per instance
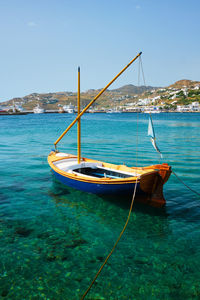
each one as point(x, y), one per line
point(61, 154)
point(68, 165)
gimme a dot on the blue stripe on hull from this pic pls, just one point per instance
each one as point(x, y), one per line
point(101, 189)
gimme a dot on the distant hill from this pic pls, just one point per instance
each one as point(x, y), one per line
point(132, 89)
point(184, 83)
point(110, 98)
point(52, 100)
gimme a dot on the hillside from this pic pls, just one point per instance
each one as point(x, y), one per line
point(182, 92)
point(132, 89)
point(54, 100)
point(184, 83)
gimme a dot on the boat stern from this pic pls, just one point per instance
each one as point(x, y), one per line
point(152, 184)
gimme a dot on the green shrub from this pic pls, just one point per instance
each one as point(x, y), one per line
point(193, 93)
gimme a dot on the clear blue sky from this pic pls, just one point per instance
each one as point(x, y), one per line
point(44, 41)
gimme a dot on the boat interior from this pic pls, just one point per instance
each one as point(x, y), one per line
point(91, 169)
point(101, 172)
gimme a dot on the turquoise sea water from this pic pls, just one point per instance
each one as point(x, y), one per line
point(53, 239)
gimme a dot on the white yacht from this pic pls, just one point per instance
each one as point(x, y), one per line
point(113, 111)
point(69, 108)
point(38, 110)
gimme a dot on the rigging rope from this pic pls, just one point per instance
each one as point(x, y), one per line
point(97, 274)
point(142, 70)
point(137, 141)
point(185, 184)
point(138, 72)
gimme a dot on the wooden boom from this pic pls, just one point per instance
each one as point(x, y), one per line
point(84, 110)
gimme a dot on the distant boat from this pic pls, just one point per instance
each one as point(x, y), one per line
point(113, 111)
point(91, 110)
point(19, 108)
point(38, 110)
point(2, 109)
point(152, 111)
point(61, 110)
point(103, 178)
point(69, 108)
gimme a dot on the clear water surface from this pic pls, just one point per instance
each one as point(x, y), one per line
point(53, 239)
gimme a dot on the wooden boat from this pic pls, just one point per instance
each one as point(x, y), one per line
point(103, 178)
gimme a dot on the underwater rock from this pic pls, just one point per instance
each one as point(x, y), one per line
point(92, 261)
point(58, 192)
point(43, 235)
point(39, 249)
point(97, 297)
point(79, 242)
point(101, 258)
point(50, 257)
point(23, 232)
point(64, 257)
point(4, 292)
point(75, 243)
point(79, 278)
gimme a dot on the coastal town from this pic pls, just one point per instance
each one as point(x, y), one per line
point(182, 96)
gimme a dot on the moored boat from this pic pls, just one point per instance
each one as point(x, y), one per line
point(103, 178)
point(113, 111)
point(151, 110)
point(70, 109)
point(38, 110)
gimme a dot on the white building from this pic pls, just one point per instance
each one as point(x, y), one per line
point(194, 106)
point(174, 96)
point(161, 90)
point(174, 102)
point(185, 91)
point(156, 98)
point(144, 101)
point(183, 108)
point(173, 93)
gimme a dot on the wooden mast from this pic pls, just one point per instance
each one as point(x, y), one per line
point(79, 121)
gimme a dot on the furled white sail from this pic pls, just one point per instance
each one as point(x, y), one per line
point(151, 133)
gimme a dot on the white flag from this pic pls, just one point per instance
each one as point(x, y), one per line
point(151, 133)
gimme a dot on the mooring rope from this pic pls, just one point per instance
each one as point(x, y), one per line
point(97, 274)
point(185, 184)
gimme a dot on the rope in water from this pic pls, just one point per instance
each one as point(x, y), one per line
point(97, 274)
point(185, 184)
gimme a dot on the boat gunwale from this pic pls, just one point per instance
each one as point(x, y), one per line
point(90, 179)
point(95, 180)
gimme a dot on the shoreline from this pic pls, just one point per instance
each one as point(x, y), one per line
point(96, 112)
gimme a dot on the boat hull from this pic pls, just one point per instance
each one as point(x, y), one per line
point(149, 180)
point(100, 188)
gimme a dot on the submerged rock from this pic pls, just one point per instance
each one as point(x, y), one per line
point(75, 243)
point(43, 235)
point(50, 257)
point(4, 292)
point(23, 232)
point(101, 258)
